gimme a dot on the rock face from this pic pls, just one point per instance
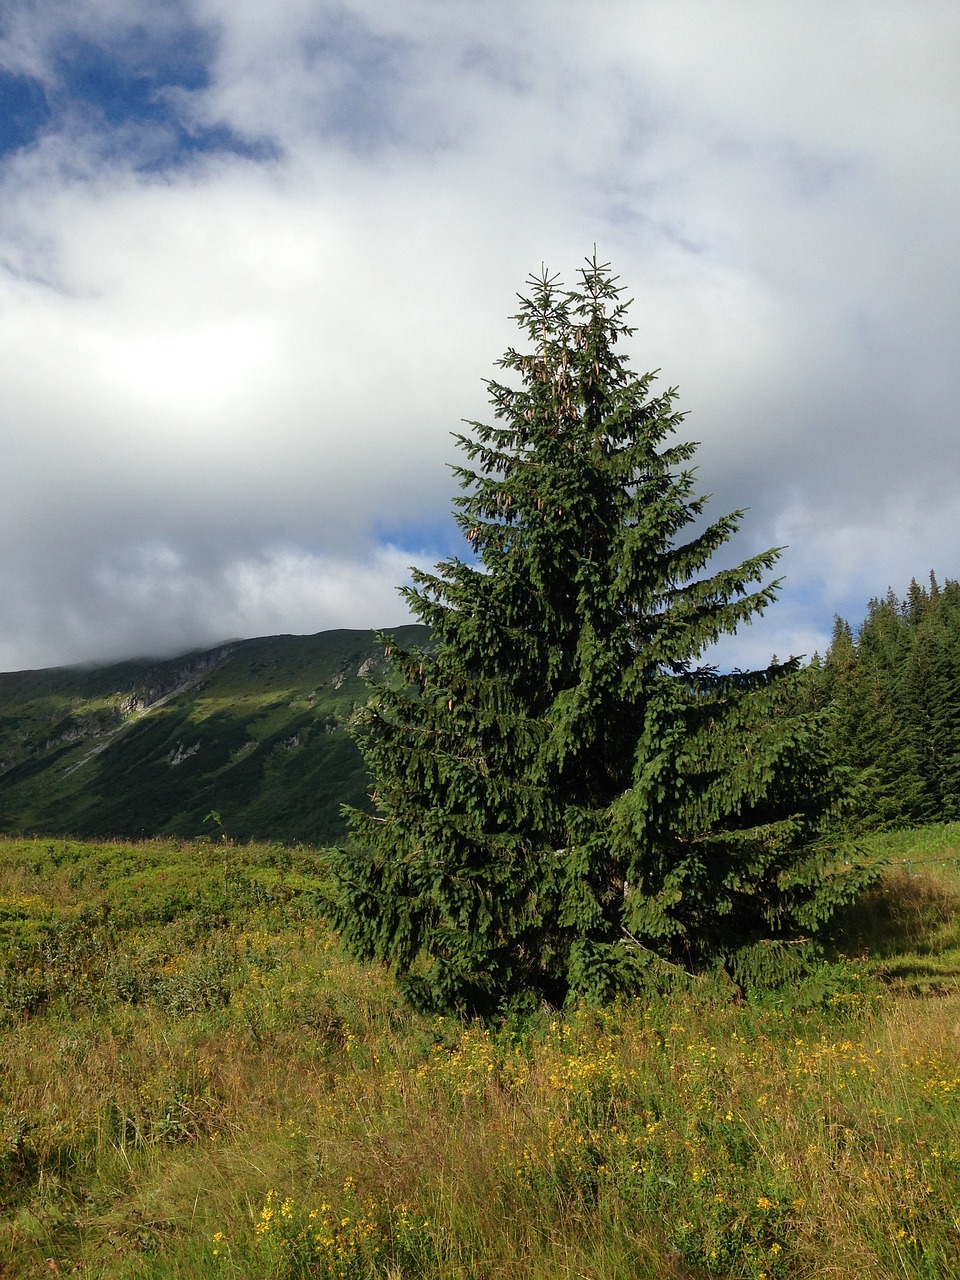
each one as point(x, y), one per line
point(254, 730)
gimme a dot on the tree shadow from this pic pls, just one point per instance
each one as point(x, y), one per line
point(908, 913)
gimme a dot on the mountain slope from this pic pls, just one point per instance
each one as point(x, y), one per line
point(254, 730)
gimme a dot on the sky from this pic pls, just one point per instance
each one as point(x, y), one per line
point(256, 261)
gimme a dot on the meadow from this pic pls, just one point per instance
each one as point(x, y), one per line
point(195, 1082)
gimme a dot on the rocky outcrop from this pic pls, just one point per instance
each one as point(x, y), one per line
point(185, 676)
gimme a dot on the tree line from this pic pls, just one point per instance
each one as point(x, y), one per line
point(892, 691)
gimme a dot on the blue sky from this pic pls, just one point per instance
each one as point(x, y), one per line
point(256, 260)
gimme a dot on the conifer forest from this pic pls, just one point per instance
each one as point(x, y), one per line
point(892, 687)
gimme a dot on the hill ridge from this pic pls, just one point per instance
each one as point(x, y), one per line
point(254, 729)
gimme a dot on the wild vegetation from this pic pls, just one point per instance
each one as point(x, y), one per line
point(643, 1009)
point(255, 730)
point(196, 1082)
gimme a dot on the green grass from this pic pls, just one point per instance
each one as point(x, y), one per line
point(194, 1082)
point(909, 926)
point(262, 722)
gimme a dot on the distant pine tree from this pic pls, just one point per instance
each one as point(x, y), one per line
point(929, 689)
point(563, 797)
point(894, 691)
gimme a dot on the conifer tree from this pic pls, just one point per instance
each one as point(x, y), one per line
point(893, 690)
point(875, 721)
point(929, 690)
point(564, 800)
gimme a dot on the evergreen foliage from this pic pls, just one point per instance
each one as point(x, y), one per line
point(565, 802)
point(894, 688)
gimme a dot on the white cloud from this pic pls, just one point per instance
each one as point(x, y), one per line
point(232, 354)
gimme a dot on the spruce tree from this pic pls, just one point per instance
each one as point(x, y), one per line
point(929, 690)
point(566, 800)
point(893, 690)
point(869, 706)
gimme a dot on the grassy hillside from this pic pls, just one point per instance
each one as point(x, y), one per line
point(254, 730)
point(196, 1083)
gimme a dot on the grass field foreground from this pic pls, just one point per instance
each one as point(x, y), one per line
point(196, 1083)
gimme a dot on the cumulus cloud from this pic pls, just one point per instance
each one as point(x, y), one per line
point(255, 261)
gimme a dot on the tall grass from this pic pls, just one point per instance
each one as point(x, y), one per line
point(909, 925)
point(195, 1082)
